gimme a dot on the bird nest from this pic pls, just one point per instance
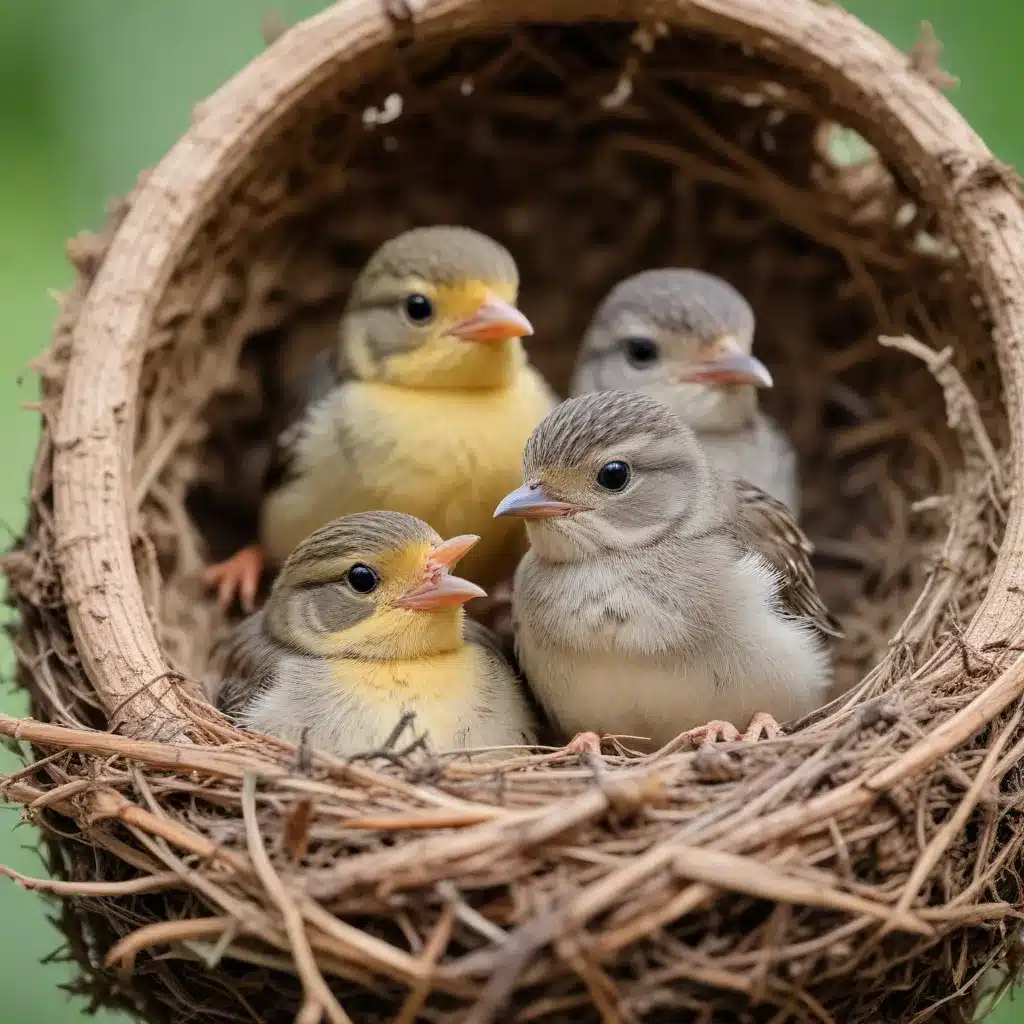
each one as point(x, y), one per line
point(865, 867)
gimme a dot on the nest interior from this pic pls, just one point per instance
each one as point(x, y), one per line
point(854, 871)
point(679, 157)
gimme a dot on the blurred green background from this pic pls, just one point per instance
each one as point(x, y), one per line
point(92, 91)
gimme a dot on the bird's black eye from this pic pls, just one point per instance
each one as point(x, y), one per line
point(418, 308)
point(641, 352)
point(362, 579)
point(613, 476)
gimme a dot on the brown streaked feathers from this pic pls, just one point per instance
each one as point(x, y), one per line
point(767, 527)
point(579, 427)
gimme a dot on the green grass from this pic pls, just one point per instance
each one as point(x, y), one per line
point(91, 91)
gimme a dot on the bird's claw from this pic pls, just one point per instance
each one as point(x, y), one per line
point(761, 726)
point(583, 743)
point(240, 574)
point(710, 732)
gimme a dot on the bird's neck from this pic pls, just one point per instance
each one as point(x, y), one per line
point(715, 410)
point(449, 365)
point(399, 635)
point(591, 539)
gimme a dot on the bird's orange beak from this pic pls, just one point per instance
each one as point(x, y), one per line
point(724, 362)
point(448, 552)
point(531, 502)
point(439, 589)
point(494, 320)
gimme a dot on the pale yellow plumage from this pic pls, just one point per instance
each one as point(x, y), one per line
point(341, 667)
point(445, 458)
point(426, 414)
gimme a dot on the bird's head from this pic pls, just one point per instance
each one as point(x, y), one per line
point(375, 586)
point(683, 336)
point(436, 308)
point(609, 472)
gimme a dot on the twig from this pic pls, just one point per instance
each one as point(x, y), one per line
point(151, 883)
point(944, 836)
point(316, 991)
point(961, 407)
point(378, 954)
point(125, 951)
point(432, 952)
point(744, 874)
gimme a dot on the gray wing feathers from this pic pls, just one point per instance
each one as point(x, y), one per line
point(241, 666)
point(766, 527)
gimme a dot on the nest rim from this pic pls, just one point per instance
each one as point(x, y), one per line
point(916, 130)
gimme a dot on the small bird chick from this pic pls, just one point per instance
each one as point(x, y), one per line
point(423, 406)
point(686, 337)
point(365, 624)
point(657, 594)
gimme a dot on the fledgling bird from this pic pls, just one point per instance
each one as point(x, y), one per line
point(363, 625)
point(658, 594)
point(685, 337)
point(423, 406)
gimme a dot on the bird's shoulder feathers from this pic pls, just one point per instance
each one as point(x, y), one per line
point(242, 665)
point(766, 527)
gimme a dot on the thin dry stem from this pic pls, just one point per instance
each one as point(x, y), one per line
point(319, 998)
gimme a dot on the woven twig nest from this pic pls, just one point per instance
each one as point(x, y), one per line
point(864, 868)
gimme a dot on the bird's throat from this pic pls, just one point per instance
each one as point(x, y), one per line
point(451, 364)
point(396, 634)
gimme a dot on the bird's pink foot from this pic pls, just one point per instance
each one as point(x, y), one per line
point(583, 743)
point(240, 574)
point(762, 726)
point(711, 732)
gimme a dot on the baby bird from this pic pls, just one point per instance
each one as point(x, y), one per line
point(686, 337)
point(365, 624)
point(423, 406)
point(657, 594)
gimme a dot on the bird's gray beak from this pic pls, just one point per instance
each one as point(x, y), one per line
point(726, 363)
point(530, 502)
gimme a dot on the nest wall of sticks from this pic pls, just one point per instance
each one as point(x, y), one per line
point(865, 867)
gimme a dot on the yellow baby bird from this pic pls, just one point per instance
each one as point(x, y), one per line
point(365, 624)
point(423, 406)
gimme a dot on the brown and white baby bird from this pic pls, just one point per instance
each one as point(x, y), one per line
point(423, 406)
point(657, 594)
point(685, 337)
point(365, 624)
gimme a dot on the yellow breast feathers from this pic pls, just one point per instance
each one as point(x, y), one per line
point(445, 457)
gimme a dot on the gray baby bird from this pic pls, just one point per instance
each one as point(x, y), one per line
point(658, 593)
point(685, 337)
